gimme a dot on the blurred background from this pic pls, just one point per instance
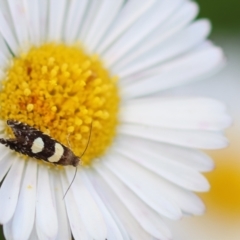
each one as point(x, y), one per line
point(222, 218)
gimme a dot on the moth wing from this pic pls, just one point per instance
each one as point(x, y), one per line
point(37, 145)
point(22, 130)
point(46, 148)
point(58, 153)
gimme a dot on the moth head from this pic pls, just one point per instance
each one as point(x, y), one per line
point(12, 123)
point(75, 161)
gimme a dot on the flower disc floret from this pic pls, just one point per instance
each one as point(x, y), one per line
point(62, 91)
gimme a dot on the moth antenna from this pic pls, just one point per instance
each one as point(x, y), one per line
point(89, 137)
point(70, 183)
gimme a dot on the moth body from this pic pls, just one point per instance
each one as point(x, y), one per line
point(34, 143)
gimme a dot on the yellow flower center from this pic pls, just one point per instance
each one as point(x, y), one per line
point(62, 91)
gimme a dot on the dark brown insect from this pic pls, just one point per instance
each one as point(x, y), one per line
point(34, 143)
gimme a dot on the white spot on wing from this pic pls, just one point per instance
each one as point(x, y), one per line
point(57, 154)
point(37, 145)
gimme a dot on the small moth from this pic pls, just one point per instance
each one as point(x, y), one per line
point(34, 143)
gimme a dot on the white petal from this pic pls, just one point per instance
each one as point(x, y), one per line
point(147, 190)
point(130, 13)
point(22, 226)
point(4, 61)
point(186, 40)
point(7, 230)
point(88, 208)
point(144, 215)
point(123, 230)
point(157, 14)
point(19, 12)
point(5, 163)
point(192, 139)
point(43, 19)
point(8, 34)
point(46, 216)
point(183, 16)
point(117, 221)
point(56, 18)
point(181, 175)
point(74, 17)
point(191, 67)
point(90, 14)
point(33, 233)
point(33, 22)
point(10, 189)
point(178, 113)
point(75, 221)
point(64, 231)
point(101, 21)
point(205, 105)
point(133, 228)
point(113, 232)
point(187, 157)
point(140, 179)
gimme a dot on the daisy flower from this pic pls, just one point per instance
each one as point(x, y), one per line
point(70, 65)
